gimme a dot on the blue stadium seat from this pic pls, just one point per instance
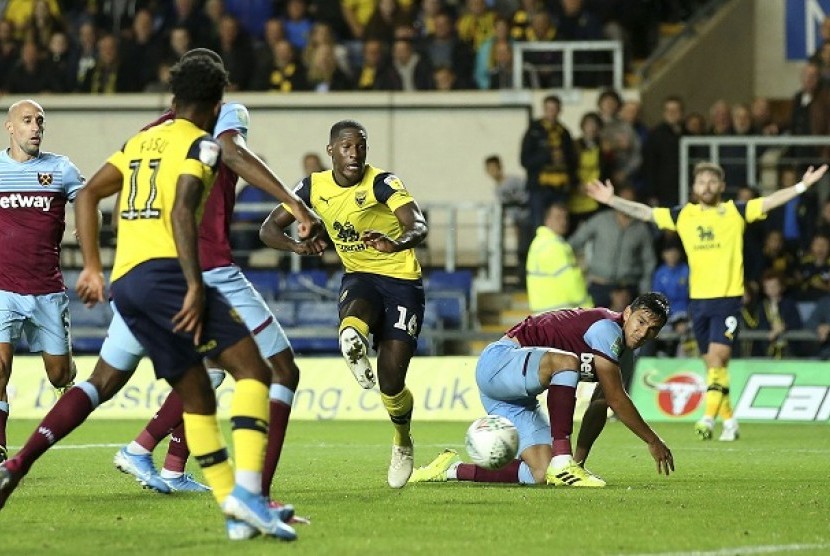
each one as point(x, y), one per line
point(305, 284)
point(451, 308)
point(285, 311)
point(431, 311)
point(459, 281)
point(98, 316)
point(87, 344)
point(323, 314)
point(267, 282)
point(333, 284)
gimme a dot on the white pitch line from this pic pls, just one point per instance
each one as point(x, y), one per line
point(322, 445)
point(741, 550)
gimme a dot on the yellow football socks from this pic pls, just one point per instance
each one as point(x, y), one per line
point(249, 423)
point(717, 392)
point(399, 408)
point(208, 447)
point(355, 323)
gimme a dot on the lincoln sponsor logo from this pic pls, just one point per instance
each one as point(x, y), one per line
point(679, 394)
point(19, 200)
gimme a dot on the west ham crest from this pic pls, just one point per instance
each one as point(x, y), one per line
point(44, 178)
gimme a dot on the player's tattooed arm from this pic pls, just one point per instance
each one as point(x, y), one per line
point(186, 235)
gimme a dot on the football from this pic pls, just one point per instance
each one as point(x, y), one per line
point(492, 442)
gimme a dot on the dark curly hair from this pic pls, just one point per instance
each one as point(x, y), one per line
point(655, 303)
point(198, 80)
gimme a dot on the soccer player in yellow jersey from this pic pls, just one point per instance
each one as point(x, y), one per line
point(374, 224)
point(712, 234)
point(164, 175)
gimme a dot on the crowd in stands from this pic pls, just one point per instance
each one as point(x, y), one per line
point(108, 46)
point(787, 256)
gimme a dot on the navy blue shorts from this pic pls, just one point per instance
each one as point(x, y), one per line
point(402, 302)
point(148, 297)
point(715, 321)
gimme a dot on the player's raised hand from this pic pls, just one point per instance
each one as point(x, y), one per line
point(379, 241)
point(662, 455)
point(811, 176)
point(599, 191)
point(311, 246)
point(189, 319)
point(90, 287)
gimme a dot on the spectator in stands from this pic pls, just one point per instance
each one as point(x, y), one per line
point(423, 19)
point(511, 193)
point(810, 110)
point(356, 14)
point(733, 157)
point(500, 76)
point(372, 65)
point(161, 83)
point(554, 279)
point(489, 63)
point(823, 220)
point(520, 20)
point(695, 125)
point(574, 22)
point(619, 143)
point(820, 322)
point(548, 155)
point(824, 32)
point(237, 53)
point(141, 51)
point(671, 278)
point(274, 32)
point(279, 70)
point(776, 313)
point(9, 50)
point(31, 75)
point(814, 270)
point(720, 118)
point(622, 252)
point(545, 65)
point(42, 24)
point(297, 24)
point(476, 24)
point(330, 14)
point(322, 34)
point(796, 219)
point(188, 14)
point(408, 70)
point(386, 17)
point(64, 62)
point(20, 13)
point(108, 76)
point(590, 167)
point(323, 75)
point(762, 120)
point(445, 50)
point(776, 258)
point(214, 10)
point(179, 41)
point(661, 156)
point(312, 163)
point(87, 51)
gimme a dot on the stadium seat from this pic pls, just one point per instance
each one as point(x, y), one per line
point(322, 314)
point(805, 309)
point(87, 344)
point(431, 310)
point(267, 282)
point(98, 316)
point(451, 309)
point(305, 284)
point(459, 281)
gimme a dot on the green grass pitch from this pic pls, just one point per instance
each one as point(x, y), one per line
point(768, 493)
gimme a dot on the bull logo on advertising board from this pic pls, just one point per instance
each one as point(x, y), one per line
point(679, 394)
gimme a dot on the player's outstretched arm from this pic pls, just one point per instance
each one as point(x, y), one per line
point(782, 196)
point(415, 231)
point(272, 233)
point(105, 182)
point(186, 235)
point(604, 193)
point(610, 379)
point(244, 162)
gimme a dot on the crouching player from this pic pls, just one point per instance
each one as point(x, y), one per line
point(554, 351)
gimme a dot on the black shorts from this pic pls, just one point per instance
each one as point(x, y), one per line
point(148, 297)
point(715, 321)
point(402, 303)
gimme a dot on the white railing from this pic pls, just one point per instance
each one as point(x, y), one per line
point(753, 162)
point(568, 67)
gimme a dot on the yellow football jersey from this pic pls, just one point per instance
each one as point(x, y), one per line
point(347, 212)
point(151, 163)
point(713, 238)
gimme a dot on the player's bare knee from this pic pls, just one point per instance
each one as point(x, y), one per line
point(284, 369)
point(553, 362)
point(61, 371)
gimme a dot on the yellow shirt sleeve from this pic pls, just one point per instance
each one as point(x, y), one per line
point(754, 210)
point(663, 219)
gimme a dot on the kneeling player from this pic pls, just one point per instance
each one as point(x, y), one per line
point(554, 351)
